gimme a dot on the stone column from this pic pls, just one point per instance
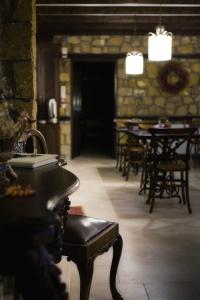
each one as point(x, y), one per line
point(18, 53)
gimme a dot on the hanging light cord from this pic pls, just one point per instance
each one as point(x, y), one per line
point(160, 16)
point(134, 25)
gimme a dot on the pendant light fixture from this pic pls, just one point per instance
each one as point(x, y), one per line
point(160, 44)
point(134, 61)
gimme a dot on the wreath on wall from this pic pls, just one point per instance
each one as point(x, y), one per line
point(173, 77)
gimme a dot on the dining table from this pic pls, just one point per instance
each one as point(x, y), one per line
point(30, 226)
point(144, 134)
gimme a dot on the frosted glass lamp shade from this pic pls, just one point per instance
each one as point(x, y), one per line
point(160, 45)
point(134, 63)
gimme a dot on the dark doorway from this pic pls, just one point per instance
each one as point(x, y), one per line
point(93, 108)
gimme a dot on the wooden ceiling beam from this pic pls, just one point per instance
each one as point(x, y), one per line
point(117, 11)
point(113, 2)
point(71, 28)
point(120, 19)
point(117, 17)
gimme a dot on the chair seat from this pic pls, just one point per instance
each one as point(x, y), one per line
point(87, 237)
point(173, 166)
point(81, 229)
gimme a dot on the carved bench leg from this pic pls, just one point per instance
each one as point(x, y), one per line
point(117, 250)
point(85, 269)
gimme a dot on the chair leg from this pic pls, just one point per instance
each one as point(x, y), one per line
point(127, 171)
point(117, 250)
point(187, 194)
point(183, 187)
point(152, 192)
point(85, 269)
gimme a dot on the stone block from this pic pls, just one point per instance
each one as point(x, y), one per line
point(85, 47)
point(98, 42)
point(125, 92)
point(186, 49)
point(147, 100)
point(170, 109)
point(7, 81)
point(181, 110)
point(64, 65)
point(105, 50)
point(187, 100)
point(131, 81)
point(64, 150)
point(24, 10)
point(77, 49)
point(115, 41)
point(194, 79)
point(120, 100)
point(63, 139)
point(192, 109)
point(113, 50)
point(23, 75)
point(96, 50)
point(63, 128)
point(139, 93)
point(152, 91)
point(141, 83)
point(143, 111)
point(121, 74)
point(195, 67)
point(68, 88)
point(86, 38)
point(74, 40)
point(64, 77)
point(16, 41)
point(152, 70)
point(156, 110)
point(126, 48)
point(160, 101)
point(185, 40)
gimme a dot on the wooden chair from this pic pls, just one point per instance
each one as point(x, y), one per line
point(133, 158)
point(134, 151)
point(169, 156)
point(83, 239)
point(121, 142)
point(145, 176)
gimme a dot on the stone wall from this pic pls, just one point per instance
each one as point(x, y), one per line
point(18, 53)
point(138, 95)
point(143, 95)
point(65, 107)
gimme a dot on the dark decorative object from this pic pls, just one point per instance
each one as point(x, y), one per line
point(173, 77)
point(39, 278)
point(11, 128)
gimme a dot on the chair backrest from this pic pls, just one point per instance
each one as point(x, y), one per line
point(170, 143)
point(32, 141)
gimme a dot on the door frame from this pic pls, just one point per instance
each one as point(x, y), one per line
point(90, 58)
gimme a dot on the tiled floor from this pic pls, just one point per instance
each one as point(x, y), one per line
point(161, 253)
